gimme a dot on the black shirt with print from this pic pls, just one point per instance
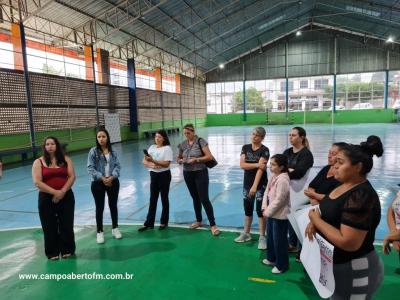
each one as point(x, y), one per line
point(253, 157)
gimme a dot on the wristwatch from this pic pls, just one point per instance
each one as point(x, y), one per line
point(198, 160)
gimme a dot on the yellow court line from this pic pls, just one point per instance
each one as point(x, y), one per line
point(261, 280)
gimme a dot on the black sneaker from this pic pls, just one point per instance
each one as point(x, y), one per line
point(144, 228)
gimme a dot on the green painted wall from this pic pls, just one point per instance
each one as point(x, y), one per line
point(235, 119)
point(152, 126)
point(340, 117)
point(77, 139)
point(80, 139)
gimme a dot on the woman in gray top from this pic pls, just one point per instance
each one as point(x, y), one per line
point(193, 153)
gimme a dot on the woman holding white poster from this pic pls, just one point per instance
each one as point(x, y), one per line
point(348, 218)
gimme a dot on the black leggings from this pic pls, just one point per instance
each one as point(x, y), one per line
point(57, 221)
point(99, 192)
point(159, 184)
point(197, 183)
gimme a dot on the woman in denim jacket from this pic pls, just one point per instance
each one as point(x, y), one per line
point(104, 167)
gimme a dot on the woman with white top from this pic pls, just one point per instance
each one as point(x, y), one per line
point(104, 167)
point(157, 160)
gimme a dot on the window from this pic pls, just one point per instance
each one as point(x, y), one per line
point(304, 84)
point(320, 84)
point(306, 98)
point(361, 90)
point(224, 97)
point(290, 87)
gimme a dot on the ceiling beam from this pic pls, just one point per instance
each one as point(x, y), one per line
point(176, 35)
point(43, 26)
point(240, 24)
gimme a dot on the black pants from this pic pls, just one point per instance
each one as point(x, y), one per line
point(99, 191)
point(57, 221)
point(292, 237)
point(159, 185)
point(197, 183)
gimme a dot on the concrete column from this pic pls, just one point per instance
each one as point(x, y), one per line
point(17, 46)
point(178, 83)
point(157, 75)
point(88, 63)
point(103, 66)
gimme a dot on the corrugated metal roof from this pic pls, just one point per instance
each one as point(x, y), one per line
point(209, 32)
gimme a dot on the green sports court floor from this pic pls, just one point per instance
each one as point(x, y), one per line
point(176, 263)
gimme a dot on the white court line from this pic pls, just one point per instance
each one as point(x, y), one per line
point(15, 261)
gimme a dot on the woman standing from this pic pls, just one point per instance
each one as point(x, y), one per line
point(157, 161)
point(104, 167)
point(193, 153)
point(53, 174)
point(300, 160)
point(253, 160)
point(325, 181)
point(348, 218)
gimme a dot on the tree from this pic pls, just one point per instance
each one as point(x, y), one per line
point(355, 91)
point(254, 100)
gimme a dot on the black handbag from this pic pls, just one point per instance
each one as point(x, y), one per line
point(211, 163)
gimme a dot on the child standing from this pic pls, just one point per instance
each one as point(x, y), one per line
point(276, 206)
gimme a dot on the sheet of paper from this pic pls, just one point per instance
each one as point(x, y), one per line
point(316, 256)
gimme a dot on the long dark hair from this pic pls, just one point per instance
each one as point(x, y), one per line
point(302, 133)
point(108, 145)
point(364, 152)
point(59, 154)
point(281, 160)
point(164, 134)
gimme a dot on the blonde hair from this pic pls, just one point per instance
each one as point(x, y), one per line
point(260, 131)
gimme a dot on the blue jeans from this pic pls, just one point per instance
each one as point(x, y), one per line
point(277, 243)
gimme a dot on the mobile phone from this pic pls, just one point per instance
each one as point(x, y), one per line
point(145, 152)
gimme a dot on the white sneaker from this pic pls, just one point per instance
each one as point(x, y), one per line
point(243, 237)
point(100, 238)
point(262, 243)
point(275, 270)
point(116, 233)
point(267, 262)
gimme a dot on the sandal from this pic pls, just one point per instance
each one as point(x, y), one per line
point(195, 225)
point(66, 255)
point(215, 231)
point(54, 257)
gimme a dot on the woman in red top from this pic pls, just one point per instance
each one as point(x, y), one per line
point(53, 174)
